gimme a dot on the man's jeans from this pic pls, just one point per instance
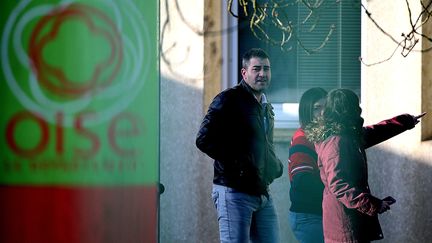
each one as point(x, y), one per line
point(245, 218)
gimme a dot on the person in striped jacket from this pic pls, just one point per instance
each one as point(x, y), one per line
point(306, 188)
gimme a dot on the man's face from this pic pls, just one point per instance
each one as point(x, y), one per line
point(257, 74)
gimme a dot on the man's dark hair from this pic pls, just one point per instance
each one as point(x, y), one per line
point(306, 106)
point(254, 52)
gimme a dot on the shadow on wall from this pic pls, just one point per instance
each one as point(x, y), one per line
point(409, 181)
point(186, 209)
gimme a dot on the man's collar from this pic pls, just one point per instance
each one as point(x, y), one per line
point(249, 89)
point(263, 99)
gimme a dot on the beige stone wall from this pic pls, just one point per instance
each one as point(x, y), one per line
point(213, 51)
point(402, 166)
point(186, 212)
point(427, 83)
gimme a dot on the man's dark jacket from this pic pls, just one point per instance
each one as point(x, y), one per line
point(233, 134)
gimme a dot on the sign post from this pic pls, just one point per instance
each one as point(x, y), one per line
point(79, 147)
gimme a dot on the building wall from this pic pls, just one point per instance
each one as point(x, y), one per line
point(400, 167)
point(190, 77)
point(186, 213)
point(190, 66)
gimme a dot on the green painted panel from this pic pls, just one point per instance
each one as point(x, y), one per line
point(79, 92)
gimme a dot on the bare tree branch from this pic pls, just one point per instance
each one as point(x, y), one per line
point(262, 15)
point(265, 14)
point(412, 38)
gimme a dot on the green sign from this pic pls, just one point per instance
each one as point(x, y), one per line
point(79, 92)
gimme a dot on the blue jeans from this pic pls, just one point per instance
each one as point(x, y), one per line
point(244, 218)
point(307, 228)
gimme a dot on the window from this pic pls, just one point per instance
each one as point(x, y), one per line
point(336, 65)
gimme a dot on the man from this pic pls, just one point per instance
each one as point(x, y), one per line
point(237, 132)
